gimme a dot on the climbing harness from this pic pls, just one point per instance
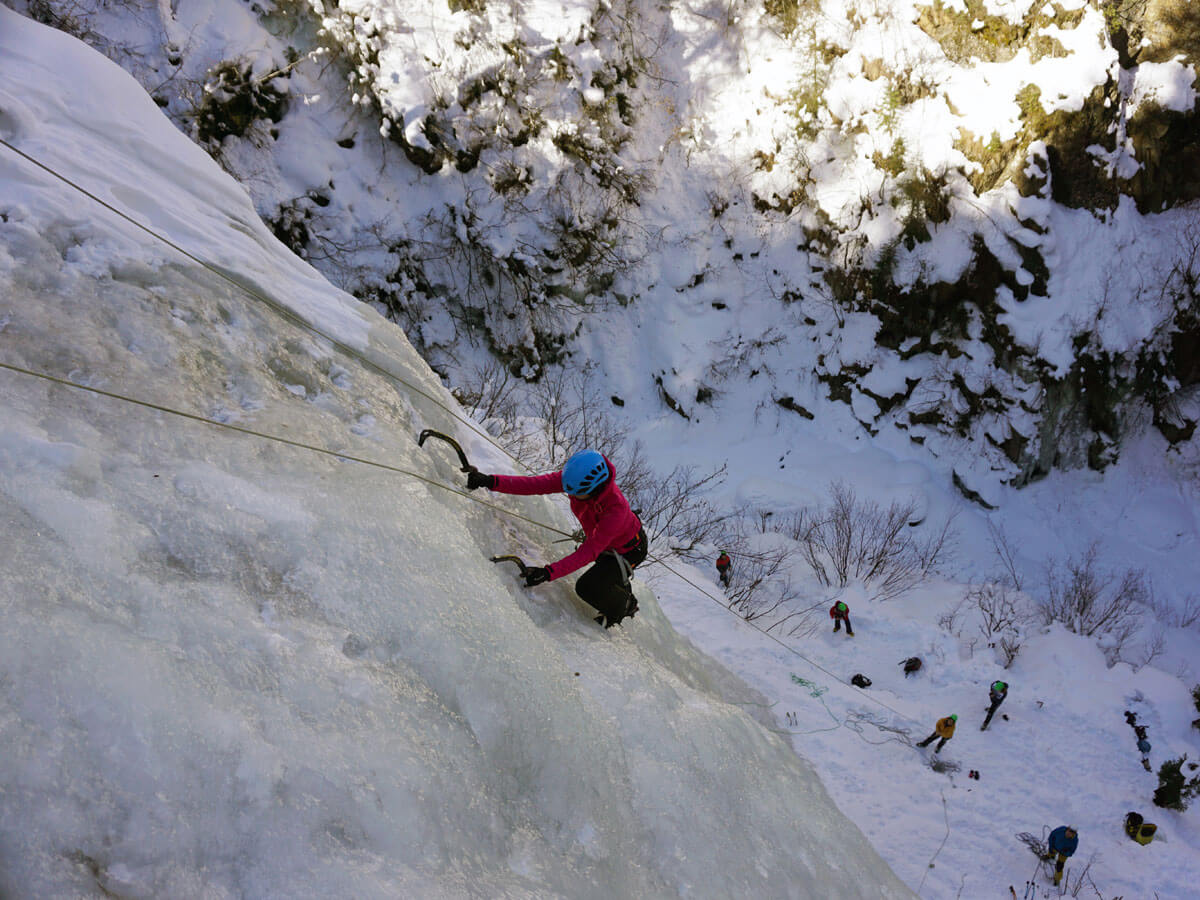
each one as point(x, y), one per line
point(624, 566)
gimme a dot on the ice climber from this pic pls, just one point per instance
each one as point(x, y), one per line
point(997, 693)
point(944, 730)
point(614, 539)
point(840, 613)
point(1064, 840)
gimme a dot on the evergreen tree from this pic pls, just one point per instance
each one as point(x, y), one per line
point(1174, 789)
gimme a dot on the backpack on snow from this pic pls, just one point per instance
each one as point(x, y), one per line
point(912, 664)
point(1139, 829)
point(860, 680)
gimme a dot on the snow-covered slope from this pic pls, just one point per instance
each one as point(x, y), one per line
point(232, 666)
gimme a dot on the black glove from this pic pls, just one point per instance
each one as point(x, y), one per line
point(536, 575)
point(478, 480)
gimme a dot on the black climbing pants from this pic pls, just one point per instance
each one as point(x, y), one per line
point(992, 711)
point(604, 586)
point(929, 740)
point(837, 624)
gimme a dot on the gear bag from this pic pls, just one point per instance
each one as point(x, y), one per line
point(1139, 829)
point(860, 680)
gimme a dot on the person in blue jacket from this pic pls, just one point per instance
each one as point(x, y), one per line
point(1064, 840)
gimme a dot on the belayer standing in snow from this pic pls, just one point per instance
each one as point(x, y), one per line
point(997, 693)
point(723, 564)
point(1064, 840)
point(840, 613)
point(944, 730)
point(614, 538)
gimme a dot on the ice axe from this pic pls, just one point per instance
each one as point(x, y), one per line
point(515, 559)
point(462, 457)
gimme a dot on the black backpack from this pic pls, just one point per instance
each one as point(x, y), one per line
point(912, 664)
point(860, 680)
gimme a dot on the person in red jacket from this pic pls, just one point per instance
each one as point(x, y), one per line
point(723, 564)
point(840, 613)
point(615, 541)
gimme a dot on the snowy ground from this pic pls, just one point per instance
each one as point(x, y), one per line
point(1064, 753)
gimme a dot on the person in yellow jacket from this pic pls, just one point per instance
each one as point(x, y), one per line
point(944, 729)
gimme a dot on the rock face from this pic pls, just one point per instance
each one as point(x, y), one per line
point(1125, 141)
point(529, 176)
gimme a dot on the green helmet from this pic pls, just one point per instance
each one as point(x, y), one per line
point(953, 717)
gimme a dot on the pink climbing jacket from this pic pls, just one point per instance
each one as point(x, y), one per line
point(607, 520)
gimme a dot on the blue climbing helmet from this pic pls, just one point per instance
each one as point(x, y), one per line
point(584, 472)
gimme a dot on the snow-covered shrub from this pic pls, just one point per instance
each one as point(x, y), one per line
point(761, 590)
point(674, 505)
point(950, 619)
point(491, 392)
point(1196, 703)
point(1166, 371)
point(1091, 601)
point(860, 540)
point(787, 14)
point(1003, 612)
point(70, 18)
point(536, 116)
point(293, 224)
point(234, 99)
point(1175, 790)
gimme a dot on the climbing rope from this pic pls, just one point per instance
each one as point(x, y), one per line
point(946, 814)
point(336, 454)
point(852, 721)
